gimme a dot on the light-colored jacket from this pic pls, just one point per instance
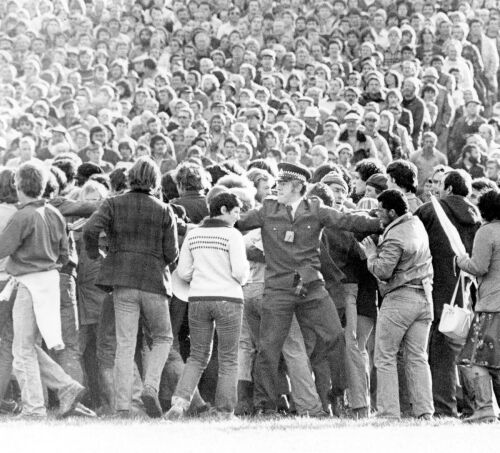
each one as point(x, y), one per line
point(485, 264)
point(403, 256)
point(490, 59)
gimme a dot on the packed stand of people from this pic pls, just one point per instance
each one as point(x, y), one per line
point(249, 207)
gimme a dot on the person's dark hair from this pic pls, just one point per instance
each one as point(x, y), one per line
point(157, 138)
point(489, 205)
point(481, 184)
point(144, 175)
point(96, 129)
point(394, 199)
point(323, 192)
point(404, 174)
point(8, 192)
point(118, 179)
point(52, 186)
point(31, 179)
point(217, 171)
point(368, 167)
point(69, 167)
point(459, 181)
point(169, 187)
point(191, 177)
point(85, 171)
point(227, 199)
point(322, 171)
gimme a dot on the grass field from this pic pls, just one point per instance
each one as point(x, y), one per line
point(241, 436)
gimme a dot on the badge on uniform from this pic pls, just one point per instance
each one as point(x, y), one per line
point(289, 236)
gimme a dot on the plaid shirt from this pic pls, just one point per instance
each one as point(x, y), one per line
point(142, 235)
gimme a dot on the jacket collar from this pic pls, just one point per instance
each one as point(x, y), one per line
point(395, 222)
point(36, 203)
point(210, 222)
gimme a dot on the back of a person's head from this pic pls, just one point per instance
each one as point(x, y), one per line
point(404, 174)
point(118, 180)
point(191, 177)
point(169, 186)
point(214, 191)
point(85, 171)
point(31, 179)
point(323, 192)
point(489, 205)
point(323, 170)
point(8, 192)
point(394, 199)
point(459, 181)
point(144, 175)
point(224, 199)
point(368, 167)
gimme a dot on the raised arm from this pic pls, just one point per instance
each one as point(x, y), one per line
point(356, 222)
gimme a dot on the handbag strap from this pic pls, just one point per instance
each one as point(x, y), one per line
point(454, 297)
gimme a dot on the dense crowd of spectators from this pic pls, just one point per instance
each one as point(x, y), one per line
point(210, 110)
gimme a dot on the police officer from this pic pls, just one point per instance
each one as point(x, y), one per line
point(291, 226)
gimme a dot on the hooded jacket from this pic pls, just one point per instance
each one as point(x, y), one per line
point(466, 220)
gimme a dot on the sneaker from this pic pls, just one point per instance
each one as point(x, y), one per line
point(480, 418)
point(10, 407)
point(83, 411)
point(151, 402)
point(360, 412)
point(178, 410)
point(70, 399)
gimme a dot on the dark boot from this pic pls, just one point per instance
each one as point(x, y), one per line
point(245, 398)
point(482, 397)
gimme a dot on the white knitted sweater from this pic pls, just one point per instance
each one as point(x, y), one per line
point(213, 260)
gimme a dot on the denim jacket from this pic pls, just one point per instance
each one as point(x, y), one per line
point(403, 257)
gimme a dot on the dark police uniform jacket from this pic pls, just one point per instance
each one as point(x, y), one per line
point(292, 245)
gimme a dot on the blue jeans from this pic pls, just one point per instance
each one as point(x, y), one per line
point(204, 317)
point(405, 313)
point(128, 304)
point(32, 365)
